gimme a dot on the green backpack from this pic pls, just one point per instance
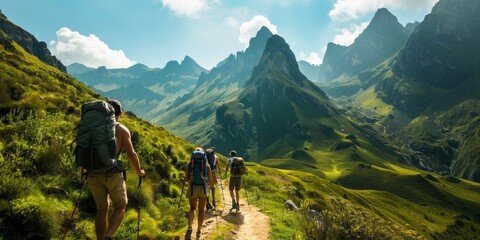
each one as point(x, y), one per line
point(96, 148)
point(238, 167)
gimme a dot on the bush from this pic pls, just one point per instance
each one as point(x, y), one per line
point(342, 220)
point(38, 214)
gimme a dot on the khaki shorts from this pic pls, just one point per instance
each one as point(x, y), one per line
point(105, 187)
point(235, 183)
point(199, 191)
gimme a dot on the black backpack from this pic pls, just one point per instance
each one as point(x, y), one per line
point(96, 148)
point(211, 158)
point(238, 167)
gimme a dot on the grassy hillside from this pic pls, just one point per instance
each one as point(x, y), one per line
point(397, 201)
point(39, 184)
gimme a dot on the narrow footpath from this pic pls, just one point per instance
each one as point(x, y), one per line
point(249, 224)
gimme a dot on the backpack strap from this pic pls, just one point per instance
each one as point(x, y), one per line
point(118, 154)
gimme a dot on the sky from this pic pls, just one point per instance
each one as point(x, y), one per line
point(120, 33)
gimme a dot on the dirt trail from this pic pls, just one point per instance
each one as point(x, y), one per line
point(250, 223)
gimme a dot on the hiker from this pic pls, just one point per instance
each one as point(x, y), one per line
point(237, 168)
point(214, 165)
point(111, 184)
point(199, 176)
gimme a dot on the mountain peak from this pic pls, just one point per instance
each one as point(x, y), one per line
point(264, 31)
point(187, 60)
point(257, 43)
point(278, 44)
point(384, 19)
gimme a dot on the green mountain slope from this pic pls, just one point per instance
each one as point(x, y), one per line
point(193, 115)
point(428, 94)
point(39, 109)
point(280, 110)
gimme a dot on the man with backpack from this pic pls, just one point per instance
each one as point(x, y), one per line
point(214, 165)
point(237, 169)
point(100, 160)
point(199, 175)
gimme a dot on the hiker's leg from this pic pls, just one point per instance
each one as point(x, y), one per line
point(232, 196)
point(118, 194)
point(231, 187)
point(238, 186)
point(237, 197)
point(115, 221)
point(101, 223)
point(191, 213)
point(213, 197)
point(97, 186)
point(201, 212)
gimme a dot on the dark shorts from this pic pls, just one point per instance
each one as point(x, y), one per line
point(235, 183)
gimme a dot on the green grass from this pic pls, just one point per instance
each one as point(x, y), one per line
point(415, 201)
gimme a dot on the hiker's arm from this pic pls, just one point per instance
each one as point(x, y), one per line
point(132, 155)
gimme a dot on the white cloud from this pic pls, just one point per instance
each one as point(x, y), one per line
point(72, 47)
point(186, 8)
point(250, 28)
point(348, 35)
point(344, 10)
point(313, 58)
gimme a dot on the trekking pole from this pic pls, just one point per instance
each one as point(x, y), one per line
point(223, 192)
point(139, 203)
point(181, 195)
point(76, 204)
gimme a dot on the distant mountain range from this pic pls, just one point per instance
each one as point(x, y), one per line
point(145, 90)
point(279, 111)
point(382, 38)
point(426, 95)
point(418, 85)
point(193, 115)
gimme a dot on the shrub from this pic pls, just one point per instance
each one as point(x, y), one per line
point(342, 220)
point(38, 213)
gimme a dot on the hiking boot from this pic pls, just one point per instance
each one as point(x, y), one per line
point(209, 206)
point(238, 207)
point(199, 233)
point(234, 204)
point(188, 234)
